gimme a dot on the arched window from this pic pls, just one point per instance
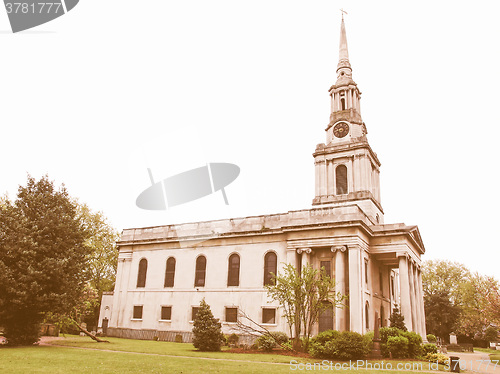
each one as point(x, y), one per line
point(170, 272)
point(341, 179)
point(342, 104)
point(201, 267)
point(367, 314)
point(141, 275)
point(233, 270)
point(270, 267)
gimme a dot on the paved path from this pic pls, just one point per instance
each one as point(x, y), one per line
point(477, 362)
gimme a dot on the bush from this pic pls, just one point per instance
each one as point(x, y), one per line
point(386, 333)
point(233, 339)
point(266, 343)
point(431, 338)
point(429, 348)
point(178, 338)
point(317, 345)
point(207, 330)
point(280, 337)
point(398, 346)
point(344, 345)
point(414, 343)
point(437, 357)
point(349, 346)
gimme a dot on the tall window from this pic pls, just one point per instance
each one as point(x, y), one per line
point(233, 270)
point(137, 312)
point(194, 312)
point(325, 320)
point(170, 272)
point(166, 313)
point(367, 311)
point(231, 314)
point(366, 272)
point(270, 267)
point(201, 266)
point(381, 282)
point(342, 104)
point(327, 266)
point(269, 315)
point(141, 275)
point(341, 179)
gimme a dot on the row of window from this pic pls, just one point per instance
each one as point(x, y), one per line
point(233, 270)
point(231, 314)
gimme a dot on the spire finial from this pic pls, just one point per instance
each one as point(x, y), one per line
point(343, 11)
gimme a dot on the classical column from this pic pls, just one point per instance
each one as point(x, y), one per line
point(404, 289)
point(317, 172)
point(422, 310)
point(305, 252)
point(120, 294)
point(340, 285)
point(355, 290)
point(418, 316)
point(412, 297)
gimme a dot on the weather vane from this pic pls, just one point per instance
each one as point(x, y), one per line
point(343, 11)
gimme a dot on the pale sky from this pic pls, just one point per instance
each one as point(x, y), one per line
point(97, 96)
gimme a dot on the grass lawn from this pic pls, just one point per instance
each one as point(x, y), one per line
point(154, 357)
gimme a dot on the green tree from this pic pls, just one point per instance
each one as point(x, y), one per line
point(207, 331)
point(102, 258)
point(302, 296)
point(397, 319)
point(42, 257)
point(491, 334)
point(453, 301)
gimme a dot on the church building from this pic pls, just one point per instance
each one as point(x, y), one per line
point(165, 271)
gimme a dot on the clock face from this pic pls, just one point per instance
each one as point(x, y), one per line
point(341, 129)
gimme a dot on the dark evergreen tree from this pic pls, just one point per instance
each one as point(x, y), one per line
point(441, 315)
point(207, 331)
point(42, 258)
point(397, 319)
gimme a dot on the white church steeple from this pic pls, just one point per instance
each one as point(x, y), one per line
point(347, 169)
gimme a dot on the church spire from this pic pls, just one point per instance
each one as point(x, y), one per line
point(343, 52)
point(344, 71)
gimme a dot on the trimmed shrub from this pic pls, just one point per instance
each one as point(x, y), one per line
point(414, 343)
point(429, 348)
point(317, 345)
point(232, 339)
point(349, 346)
point(280, 337)
point(438, 357)
point(266, 343)
point(207, 330)
point(398, 346)
point(386, 333)
point(431, 338)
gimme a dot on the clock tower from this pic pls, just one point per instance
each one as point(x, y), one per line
point(346, 168)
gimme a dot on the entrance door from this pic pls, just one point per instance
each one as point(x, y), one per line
point(326, 318)
point(105, 326)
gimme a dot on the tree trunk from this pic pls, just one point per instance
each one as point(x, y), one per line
point(92, 336)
